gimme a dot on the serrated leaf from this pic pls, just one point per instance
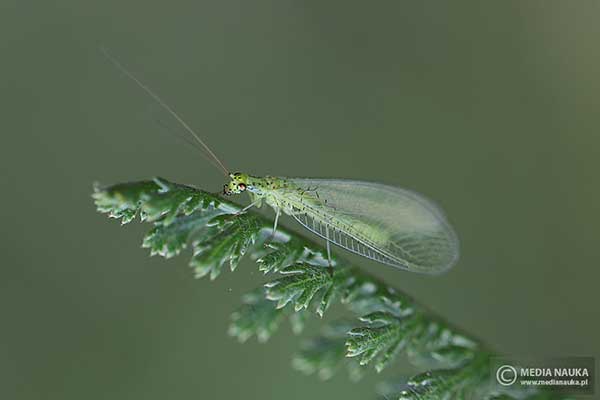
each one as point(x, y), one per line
point(256, 317)
point(153, 200)
point(428, 349)
point(365, 295)
point(173, 200)
point(299, 285)
point(123, 201)
point(325, 354)
point(259, 317)
point(170, 240)
point(226, 241)
point(452, 356)
point(466, 382)
point(281, 256)
point(322, 356)
point(382, 338)
point(434, 385)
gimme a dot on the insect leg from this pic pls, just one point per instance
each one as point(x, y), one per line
point(277, 213)
point(249, 206)
point(328, 250)
point(272, 236)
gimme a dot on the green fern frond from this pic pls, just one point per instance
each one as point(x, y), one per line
point(226, 241)
point(383, 337)
point(256, 317)
point(326, 354)
point(301, 283)
point(282, 255)
point(465, 382)
point(389, 322)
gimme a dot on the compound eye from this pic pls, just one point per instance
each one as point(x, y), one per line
point(242, 186)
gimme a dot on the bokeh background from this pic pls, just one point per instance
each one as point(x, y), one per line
point(490, 108)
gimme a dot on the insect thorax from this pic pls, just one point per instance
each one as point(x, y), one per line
point(257, 186)
point(274, 191)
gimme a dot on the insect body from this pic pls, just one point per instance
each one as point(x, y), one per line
point(390, 225)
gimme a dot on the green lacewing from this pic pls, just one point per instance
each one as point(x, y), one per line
point(389, 225)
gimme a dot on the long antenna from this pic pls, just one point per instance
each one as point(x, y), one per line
point(187, 140)
point(164, 105)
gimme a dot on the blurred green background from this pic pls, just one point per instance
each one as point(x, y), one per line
point(490, 108)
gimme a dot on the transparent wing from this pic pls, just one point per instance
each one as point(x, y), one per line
point(384, 223)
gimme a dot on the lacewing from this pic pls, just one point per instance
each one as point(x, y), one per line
point(386, 224)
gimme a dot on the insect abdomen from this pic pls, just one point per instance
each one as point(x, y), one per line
point(340, 235)
point(342, 230)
